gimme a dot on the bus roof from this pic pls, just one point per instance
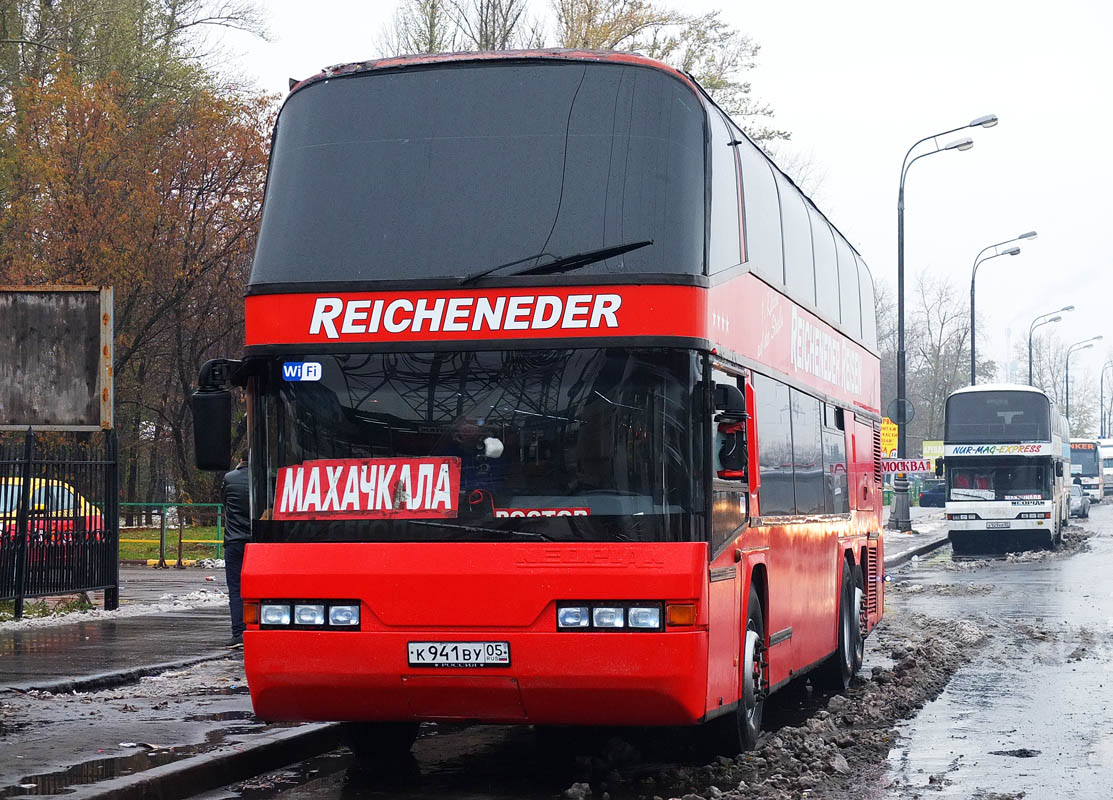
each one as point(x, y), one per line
point(596, 56)
point(562, 54)
point(999, 387)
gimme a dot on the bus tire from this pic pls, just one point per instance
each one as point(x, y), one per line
point(859, 600)
point(835, 673)
point(733, 733)
point(377, 741)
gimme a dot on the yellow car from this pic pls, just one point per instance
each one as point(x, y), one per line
point(58, 512)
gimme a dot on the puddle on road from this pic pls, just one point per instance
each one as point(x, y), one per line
point(221, 716)
point(101, 769)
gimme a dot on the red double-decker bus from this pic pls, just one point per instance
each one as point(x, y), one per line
point(563, 407)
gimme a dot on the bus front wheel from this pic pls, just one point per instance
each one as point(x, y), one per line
point(377, 741)
point(738, 731)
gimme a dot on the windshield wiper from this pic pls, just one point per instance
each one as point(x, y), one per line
point(566, 264)
point(476, 529)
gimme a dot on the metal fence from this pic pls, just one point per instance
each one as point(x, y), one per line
point(59, 519)
point(173, 515)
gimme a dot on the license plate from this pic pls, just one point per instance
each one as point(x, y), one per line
point(998, 524)
point(459, 654)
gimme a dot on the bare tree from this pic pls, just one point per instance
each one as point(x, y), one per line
point(492, 24)
point(421, 26)
point(805, 170)
point(609, 24)
point(1049, 372)
point(717, 56)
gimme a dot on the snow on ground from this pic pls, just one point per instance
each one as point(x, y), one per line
point(199, 598)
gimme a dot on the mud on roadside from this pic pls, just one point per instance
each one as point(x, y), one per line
point(1075, 540)
point(837, 748)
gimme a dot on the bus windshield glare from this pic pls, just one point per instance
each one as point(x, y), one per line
point(997, 417)
point(586, 444)
point(446, 170)
point(998, 479)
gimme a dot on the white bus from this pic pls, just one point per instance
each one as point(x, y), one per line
point(1086, 465)
point(1006, 462)
point(1105, 452)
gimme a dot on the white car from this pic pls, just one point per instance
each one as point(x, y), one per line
point(1079, 502)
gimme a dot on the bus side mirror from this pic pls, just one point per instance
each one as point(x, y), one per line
point(1058, 469)
point(730, 400)
point(212, 429)
point(939, 467)
point(212, 415)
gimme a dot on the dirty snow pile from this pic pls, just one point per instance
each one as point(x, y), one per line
point(200, 598)
point(824, 757)
point(856, 729)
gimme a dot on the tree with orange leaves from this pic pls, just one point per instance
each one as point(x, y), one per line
point(164, 205)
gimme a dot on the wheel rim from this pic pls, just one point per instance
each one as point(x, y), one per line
point(847, 632)
point(859, 644)
point(750, 686)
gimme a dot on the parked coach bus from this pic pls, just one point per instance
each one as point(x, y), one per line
point(563, 407)
point(1105, 453)
point(1086, 465)
point(1004, 457)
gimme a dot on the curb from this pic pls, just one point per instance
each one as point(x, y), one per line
point(110, 680)
point(907, 555)
point(228, 764)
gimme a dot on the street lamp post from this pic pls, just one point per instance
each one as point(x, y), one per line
point(1101, 397)
point(1085, 344)
point(1037, 323)
point(899, 519)
point(978, 261)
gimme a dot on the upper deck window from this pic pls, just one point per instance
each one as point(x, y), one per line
point(443, 170)
point(997, 417)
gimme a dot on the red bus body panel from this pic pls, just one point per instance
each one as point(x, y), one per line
point(500, 591)
point(507, 591)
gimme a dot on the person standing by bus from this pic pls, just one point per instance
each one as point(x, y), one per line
point(237, 533)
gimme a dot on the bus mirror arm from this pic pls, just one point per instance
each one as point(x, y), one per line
point(939, 467)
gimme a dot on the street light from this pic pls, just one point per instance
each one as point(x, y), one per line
point(1035, 324)
point(899, 519)
point(1085, 344)
point(1101, 397)
point(1012, 251)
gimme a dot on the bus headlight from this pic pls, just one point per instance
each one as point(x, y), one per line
point(608, 617)
point(273, 614)
point(573, 617)
point(343, 616)
point(645, 618)
point(309, 615)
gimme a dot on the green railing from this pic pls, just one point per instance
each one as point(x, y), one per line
point(161, 510)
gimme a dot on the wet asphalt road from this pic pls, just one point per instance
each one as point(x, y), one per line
point(1032, 713)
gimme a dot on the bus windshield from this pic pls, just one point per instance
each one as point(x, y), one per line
point(998, 479)
point(1084, 459)
point(589, 444)
point(442, 171)
point(997, 417)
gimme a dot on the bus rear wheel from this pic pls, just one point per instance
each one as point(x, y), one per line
point(737, 731)
point(835, 673)
point(376, 741)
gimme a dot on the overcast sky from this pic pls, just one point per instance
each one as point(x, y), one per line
point(857, 83)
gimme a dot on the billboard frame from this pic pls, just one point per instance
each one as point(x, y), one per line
point(105, 389)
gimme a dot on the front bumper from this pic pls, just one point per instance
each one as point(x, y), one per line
point(553, 679)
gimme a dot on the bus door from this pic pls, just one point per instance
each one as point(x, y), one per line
point(729, 514)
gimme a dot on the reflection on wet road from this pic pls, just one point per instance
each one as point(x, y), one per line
point(1033, 712)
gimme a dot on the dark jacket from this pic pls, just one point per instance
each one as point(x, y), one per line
point(237, 505)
